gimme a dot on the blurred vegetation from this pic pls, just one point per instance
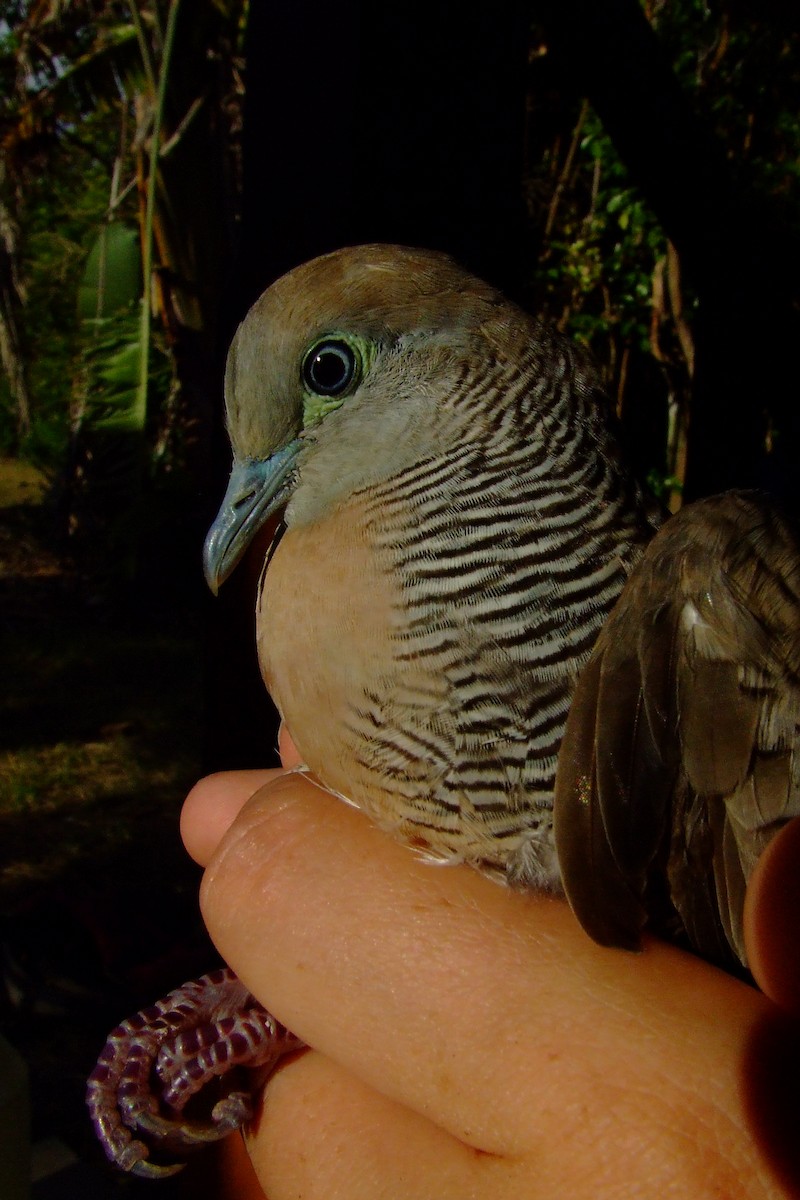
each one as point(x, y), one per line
point(120, 198)
point(114, 153)
point(99, 121)
point(605, 269)
point(119, 159)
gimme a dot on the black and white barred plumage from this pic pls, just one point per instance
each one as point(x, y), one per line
point(460, 526)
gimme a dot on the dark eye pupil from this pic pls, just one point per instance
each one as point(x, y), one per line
point(329, 368)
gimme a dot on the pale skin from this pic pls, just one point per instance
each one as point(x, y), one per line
point(472, 1042)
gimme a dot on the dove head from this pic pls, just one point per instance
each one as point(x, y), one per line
point(345, 371)
point(331, 328)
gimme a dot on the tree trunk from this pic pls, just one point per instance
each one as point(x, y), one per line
point(11, 304)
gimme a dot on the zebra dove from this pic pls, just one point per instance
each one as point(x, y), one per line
point(450, 467)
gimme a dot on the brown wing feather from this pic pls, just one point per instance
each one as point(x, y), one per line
point(606, 900)
point(692, 700)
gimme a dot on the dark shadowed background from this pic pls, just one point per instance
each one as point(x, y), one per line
point(628, 170)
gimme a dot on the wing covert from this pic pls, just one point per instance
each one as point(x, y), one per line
point(681, 757)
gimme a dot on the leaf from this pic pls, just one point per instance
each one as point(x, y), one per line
point(112, 277)
point(111, 357)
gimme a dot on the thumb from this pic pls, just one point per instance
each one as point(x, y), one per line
point(771, 910)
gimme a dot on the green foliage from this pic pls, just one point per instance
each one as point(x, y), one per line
point(45, 446)
point(743, 70)
point(597, 277)
point(110, 355)
point(595, 272)
point(662, 485)
point(112, 275)
point(98, 128)
point(109, 398)
point(79, 102)
point(605, 271)
point(65, 204)
point(110, 455)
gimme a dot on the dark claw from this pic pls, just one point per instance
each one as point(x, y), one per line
point(155, 1061)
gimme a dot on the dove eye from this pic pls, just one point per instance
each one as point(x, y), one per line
point(330, 367)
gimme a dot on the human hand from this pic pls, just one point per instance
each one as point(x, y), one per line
point(471, 1041)
point(771, 913)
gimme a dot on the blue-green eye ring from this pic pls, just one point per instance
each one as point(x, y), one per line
point(330, 367)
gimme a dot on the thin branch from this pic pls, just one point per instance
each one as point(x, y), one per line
point(676, 305)
point(147, 255)
point(191, 113)
point(144, 48)
point(566, 171)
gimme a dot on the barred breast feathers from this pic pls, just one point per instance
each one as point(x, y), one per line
point(493, 493)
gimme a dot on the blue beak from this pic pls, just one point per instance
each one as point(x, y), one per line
point(256, 488)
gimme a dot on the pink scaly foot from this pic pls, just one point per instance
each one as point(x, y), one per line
point(154, 1062)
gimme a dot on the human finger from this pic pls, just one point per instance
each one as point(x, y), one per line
point(772, 905)
point(326, 1135)
point(449, 995)
point(213, 804)
point(290, 755)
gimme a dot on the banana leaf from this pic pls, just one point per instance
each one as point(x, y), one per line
point(112, 277)
point(112, 398)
